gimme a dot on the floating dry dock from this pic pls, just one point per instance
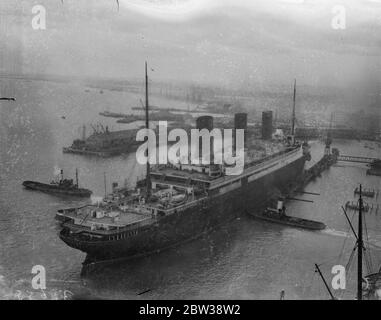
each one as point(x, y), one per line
point(105, 143)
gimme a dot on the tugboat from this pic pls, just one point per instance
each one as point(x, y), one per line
point(279, 216)
point(63, 186)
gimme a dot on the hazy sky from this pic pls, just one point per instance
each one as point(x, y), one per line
point(227, 42)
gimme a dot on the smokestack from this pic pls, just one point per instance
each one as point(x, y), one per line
point(84, 132)
point(240, 122)
point(205, 122)
point(267, 125)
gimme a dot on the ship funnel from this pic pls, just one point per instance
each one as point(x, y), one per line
point(240, 122)
point(84, 133)
point(280, 205)
point(267, 125)
point(205, 122)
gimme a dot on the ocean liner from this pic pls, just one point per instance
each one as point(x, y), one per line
point(176, 203)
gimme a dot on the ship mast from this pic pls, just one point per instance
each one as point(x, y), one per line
point(359, 253)
point(328, 140)
point(325, 282)
point(104, 183)
point(359, 244)
point(148, 176)
point(293, 111)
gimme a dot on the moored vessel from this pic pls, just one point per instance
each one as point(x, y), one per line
point(104, 143)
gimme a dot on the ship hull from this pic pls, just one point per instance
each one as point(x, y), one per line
point(47, 188)
point(292, 221)
point(191, 222)
point(101, 152)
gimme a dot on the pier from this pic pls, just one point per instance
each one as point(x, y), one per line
point(366, 193)
point(356, 159)
point(355, 206)
point(309, 133)
point(373, 163)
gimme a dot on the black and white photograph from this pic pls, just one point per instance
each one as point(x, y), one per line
point(204, 151)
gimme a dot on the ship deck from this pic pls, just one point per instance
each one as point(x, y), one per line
point(115, 218)
point(183, 174)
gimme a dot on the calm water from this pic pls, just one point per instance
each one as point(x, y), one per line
point(246, 259)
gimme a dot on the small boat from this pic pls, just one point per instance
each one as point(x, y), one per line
point(112, 114)
point(178, 199)
point(63, 187)
point(279, 216)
